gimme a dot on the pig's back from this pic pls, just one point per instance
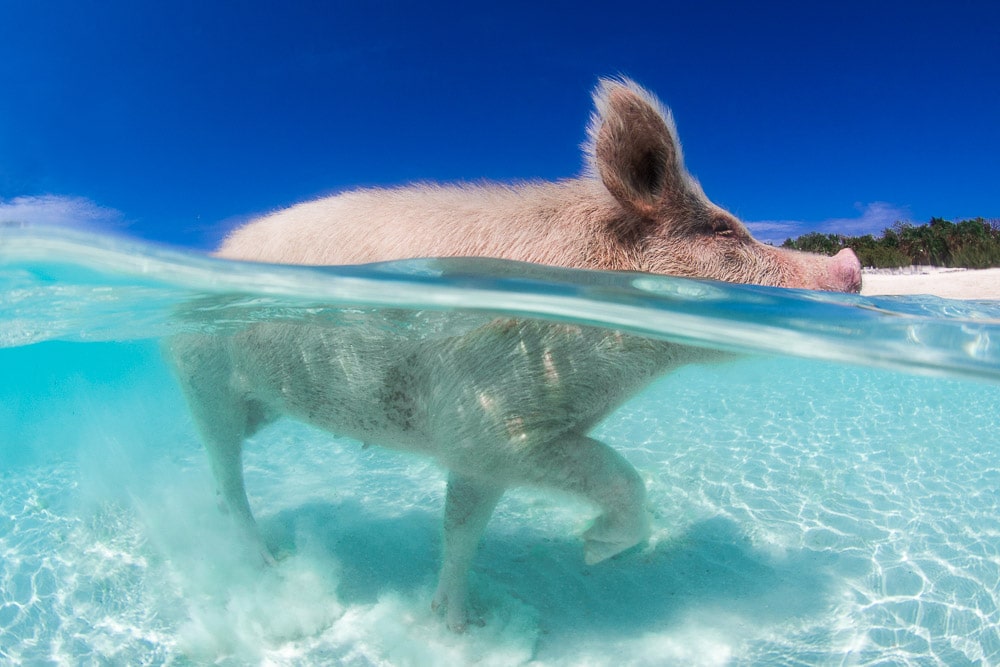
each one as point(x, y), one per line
point(550, 223)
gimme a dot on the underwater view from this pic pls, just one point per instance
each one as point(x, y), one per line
point(822, 478)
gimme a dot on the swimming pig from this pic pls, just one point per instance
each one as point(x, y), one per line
point(636, 209)
point(506, 402)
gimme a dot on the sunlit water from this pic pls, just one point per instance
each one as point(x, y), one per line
point(831, 496)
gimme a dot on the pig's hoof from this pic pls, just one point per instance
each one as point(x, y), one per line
point(268, 558)
point(607, 538)
point(456, 616)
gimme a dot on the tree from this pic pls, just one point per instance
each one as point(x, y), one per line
point(971, 243)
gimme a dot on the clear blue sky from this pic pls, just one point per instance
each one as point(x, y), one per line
point(171, 121)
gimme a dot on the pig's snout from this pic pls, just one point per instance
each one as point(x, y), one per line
point(845, 272)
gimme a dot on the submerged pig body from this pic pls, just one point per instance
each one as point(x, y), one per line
point(508, 402)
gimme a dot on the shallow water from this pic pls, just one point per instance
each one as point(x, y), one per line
point(829, 496)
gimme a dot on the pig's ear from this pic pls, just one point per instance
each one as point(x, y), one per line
point(633, 148)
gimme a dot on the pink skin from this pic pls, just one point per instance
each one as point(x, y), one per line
point(636, 209)
point(509, 402)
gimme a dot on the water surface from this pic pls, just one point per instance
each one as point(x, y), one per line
point(829, 496)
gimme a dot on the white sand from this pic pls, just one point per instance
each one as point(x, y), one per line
point(946, 283)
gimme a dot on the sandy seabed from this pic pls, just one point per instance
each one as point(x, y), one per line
point(945, 283)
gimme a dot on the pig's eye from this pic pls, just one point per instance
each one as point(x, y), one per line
point(722, 228)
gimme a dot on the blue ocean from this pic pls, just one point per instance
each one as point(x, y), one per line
point(828, 496)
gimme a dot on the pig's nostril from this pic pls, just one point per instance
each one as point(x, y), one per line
point(846, 271)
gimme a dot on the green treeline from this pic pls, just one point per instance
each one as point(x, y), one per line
point(972, 244)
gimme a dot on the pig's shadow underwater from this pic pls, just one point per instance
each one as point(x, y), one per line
point(710, 567)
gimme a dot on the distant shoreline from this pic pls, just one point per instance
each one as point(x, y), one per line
point(977, 284)
point(912, 270)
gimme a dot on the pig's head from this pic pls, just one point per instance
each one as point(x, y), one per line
point(667, 224)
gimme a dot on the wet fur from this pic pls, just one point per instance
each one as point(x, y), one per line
point(508, 402)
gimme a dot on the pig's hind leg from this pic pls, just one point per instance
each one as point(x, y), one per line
point(224, 419)
point(589, 468)
point(224, 444)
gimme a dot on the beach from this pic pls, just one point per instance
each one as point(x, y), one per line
point(945, 283)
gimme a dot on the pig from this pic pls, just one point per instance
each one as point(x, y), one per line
point(498, 402)
point(636, 208)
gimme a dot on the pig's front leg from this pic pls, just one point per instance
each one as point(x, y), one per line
point(469, 503)
point(589, 468)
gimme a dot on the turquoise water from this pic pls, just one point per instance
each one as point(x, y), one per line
point(831, 495)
